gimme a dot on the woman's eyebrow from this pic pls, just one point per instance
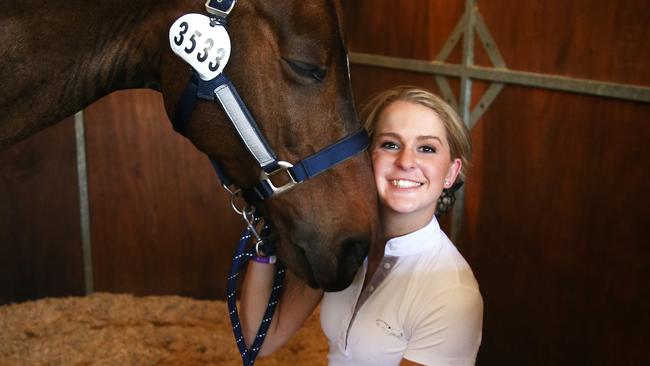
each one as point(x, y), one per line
point(389, 134)
point(427, 137)
point(419, 138)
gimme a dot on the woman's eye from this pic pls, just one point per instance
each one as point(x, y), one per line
point(428, 149)
point(389, 145)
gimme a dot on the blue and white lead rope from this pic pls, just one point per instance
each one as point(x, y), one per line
point(241, 257)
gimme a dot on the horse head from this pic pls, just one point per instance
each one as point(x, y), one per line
point(289, 64)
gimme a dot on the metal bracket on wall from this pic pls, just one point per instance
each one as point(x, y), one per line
point(499, 75)
point(84, 205)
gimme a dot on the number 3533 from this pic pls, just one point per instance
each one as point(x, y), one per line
point(205, 47)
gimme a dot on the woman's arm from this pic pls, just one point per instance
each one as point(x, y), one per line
point(297, 302)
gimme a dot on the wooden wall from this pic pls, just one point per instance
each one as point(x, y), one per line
point(40, 241)
point(555, 224)
point(556, 219)
point(160, 222)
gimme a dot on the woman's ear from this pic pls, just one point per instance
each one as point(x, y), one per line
point(453, 171)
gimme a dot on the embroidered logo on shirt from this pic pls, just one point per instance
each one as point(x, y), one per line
point(389, 330)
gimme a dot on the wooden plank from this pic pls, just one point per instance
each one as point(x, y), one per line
point(600, 40)
point(556, 228)
point(557, 225)
point(414, 29)
point(40, 243)
point(160, 222)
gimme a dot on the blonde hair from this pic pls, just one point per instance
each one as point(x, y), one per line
point(458, 135)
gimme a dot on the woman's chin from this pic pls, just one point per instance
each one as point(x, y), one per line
point(408, 208)
point(401, 206)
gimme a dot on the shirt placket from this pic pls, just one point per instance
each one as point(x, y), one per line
point(385, 267)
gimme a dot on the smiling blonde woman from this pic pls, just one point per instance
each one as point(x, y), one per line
point(419, 304)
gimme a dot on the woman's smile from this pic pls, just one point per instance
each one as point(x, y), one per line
point(405, 183)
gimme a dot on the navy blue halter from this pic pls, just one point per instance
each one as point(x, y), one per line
point(222, 90)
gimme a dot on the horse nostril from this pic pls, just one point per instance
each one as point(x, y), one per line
point(356, 248)
point(353, 251)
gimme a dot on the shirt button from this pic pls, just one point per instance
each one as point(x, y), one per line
point(387, 265)
point(371, 288)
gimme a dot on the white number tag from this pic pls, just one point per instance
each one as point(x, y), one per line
point(204, 47)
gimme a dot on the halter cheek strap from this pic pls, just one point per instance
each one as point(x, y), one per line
point(222, 90)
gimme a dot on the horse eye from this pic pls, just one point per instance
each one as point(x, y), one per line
point(306, 70)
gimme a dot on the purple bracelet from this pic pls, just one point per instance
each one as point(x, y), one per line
point(265, 260)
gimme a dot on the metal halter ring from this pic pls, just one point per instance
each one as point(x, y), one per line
point(234, 194)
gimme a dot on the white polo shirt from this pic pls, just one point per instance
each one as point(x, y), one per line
point(423, 304)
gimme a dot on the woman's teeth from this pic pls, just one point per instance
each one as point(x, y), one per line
point(401, 183)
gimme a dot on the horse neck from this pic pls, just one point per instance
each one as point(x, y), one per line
point(61, 56)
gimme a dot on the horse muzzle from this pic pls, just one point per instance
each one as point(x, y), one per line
point(330, 272)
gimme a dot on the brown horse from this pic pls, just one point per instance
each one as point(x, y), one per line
point(58, 57)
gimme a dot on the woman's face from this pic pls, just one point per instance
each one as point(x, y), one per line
point(411, 160)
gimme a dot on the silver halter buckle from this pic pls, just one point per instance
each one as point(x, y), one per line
point(283, 166)
point(217, 12)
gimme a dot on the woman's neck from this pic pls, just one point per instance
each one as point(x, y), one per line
point(396, 224)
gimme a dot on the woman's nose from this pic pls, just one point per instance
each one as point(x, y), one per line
point(405, 159)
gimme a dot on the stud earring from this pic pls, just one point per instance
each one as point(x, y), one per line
point(447, 182)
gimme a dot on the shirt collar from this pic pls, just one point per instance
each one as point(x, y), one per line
point(416, 242)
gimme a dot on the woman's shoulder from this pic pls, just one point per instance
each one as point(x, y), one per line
point(447, 290)
point(443, 269)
